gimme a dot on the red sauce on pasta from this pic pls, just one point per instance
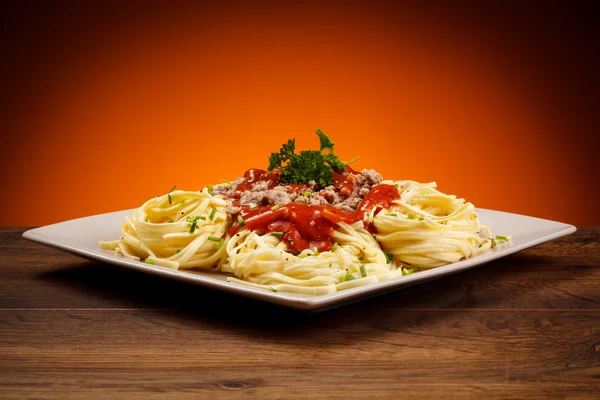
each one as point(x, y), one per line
point(303, 226)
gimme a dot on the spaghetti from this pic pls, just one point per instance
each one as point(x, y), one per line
point(350, 230)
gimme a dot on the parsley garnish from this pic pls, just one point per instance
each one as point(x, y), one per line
point(193, 222)
point(363, 271)
point(308, 165)
point(351, 161)
point(169, 195)
point(277, 234)
point(347, 277)
point(411, 216)
point(500, 237)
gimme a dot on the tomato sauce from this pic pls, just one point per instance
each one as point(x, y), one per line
point(308, 226)
point(303, 226)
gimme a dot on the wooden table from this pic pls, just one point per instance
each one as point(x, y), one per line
point(524, 326)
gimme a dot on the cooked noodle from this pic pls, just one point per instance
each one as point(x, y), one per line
point(422, 229)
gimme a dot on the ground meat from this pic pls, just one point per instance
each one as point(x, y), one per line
point(227, 189)
point(224, 189)
point(233, 210)
point(279, 195)
point(260, 186)
point(318, 200)
point(350, 204)
point(372, 176)
point(252, 199)
point(331, 195)
point(360, 179)
point(362, 192)
point(302, 199)
point(236, 182)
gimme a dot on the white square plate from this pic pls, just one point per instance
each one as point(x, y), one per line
point(81, 236)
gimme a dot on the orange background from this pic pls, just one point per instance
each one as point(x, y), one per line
point(105, 105)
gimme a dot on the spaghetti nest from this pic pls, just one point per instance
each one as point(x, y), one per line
point(424, 228)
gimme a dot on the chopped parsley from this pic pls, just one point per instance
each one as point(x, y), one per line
point(210, 190)
point(277, 234)
point(406, 271)
point(193, 222)
point(308, 165)
point(241, 220)
point(212, 214)
point(347, 277)
point(421, 218)
point(389, 257)
point(493, 243)
point(363, 271)
point(214, 239)
point(500, 237)
point(148, 261)
point(272, 289)
point(351, 161)
point(169, 195)
point(307, 193)
point(411, 216)
point(391, 214)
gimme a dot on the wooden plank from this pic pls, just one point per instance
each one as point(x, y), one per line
point(468, 353)
point(562, 274)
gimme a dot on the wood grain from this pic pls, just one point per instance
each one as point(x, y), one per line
point(524, 326)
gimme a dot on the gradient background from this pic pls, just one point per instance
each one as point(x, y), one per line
point(105, 104)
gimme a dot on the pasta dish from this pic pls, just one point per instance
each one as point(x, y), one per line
point(307, 224)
